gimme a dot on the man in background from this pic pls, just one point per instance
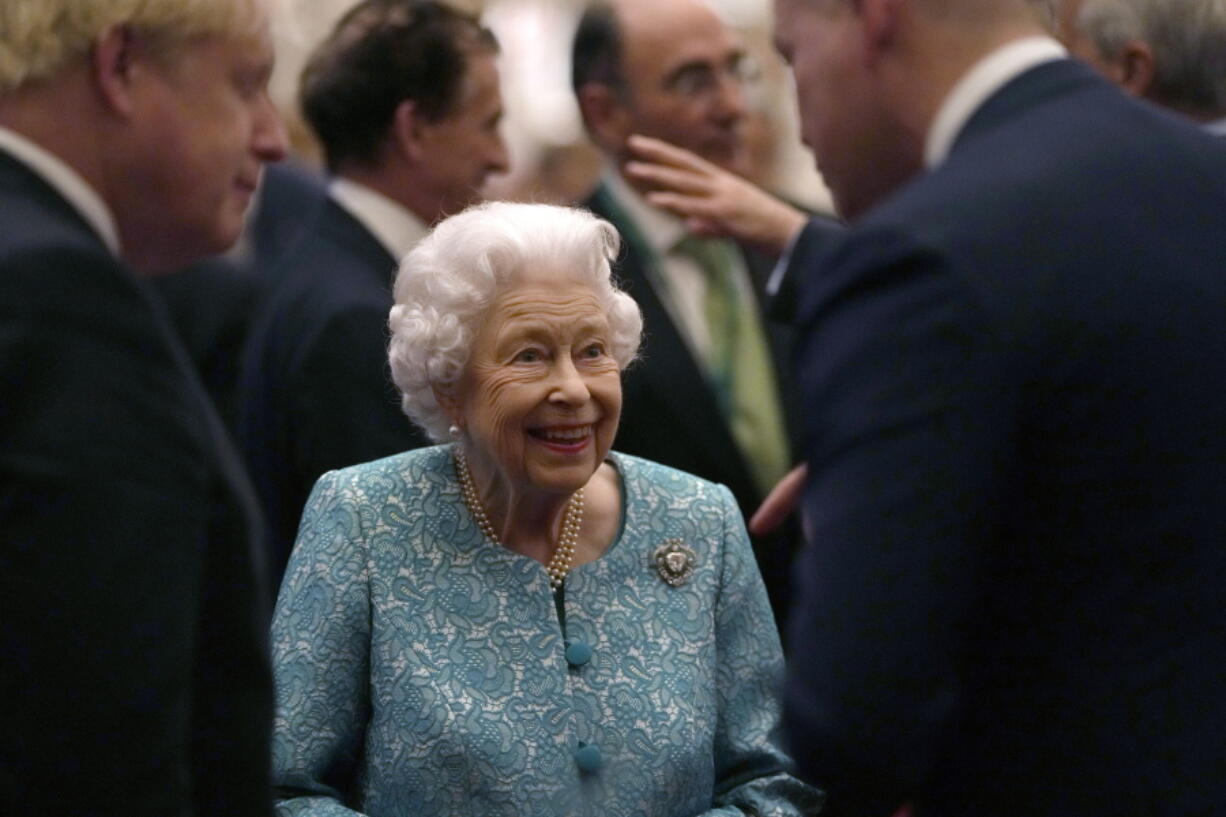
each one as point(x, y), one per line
point(133, 666)
point(709, 395)
point(405, 100)
point(1171, 52)
point(1012, 368)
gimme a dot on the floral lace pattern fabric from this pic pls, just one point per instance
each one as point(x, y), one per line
point(423, 671)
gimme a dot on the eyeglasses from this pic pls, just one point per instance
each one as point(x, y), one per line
point(703, 80)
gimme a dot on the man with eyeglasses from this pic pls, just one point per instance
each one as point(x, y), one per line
point(708, 395)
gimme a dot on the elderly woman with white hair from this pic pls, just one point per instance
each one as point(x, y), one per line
point(521, 621)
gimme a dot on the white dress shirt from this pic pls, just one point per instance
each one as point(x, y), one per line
point(977, 85)
point(67, 182)
point(391, 223)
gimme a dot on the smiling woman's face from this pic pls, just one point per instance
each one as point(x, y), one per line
point(541, 395)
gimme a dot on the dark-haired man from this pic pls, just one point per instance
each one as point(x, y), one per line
point(708, 395)
point(404, 97)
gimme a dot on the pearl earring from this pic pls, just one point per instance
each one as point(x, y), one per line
point(455, 432)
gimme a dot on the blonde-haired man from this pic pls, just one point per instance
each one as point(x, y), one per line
point(132, 652)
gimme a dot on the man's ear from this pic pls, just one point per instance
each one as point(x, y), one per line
point(408, 128)
point(1134, 68)
point(114, 65)
point(605, 114)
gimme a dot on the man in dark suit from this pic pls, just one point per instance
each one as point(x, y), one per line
point(404, 98)
point(133, 666)
point(1013, 368)
point(709, 394)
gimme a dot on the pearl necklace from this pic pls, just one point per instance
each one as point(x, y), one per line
point(563, 555)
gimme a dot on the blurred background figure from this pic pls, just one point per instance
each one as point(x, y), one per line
point(289, 195)
point(1171, 52)
point(134, 675)
point(404, 99)
point(710, 395)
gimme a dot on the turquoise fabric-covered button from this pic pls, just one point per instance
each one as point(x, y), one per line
point(588, 758)
point(578, 653)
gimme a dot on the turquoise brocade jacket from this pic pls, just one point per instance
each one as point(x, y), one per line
point(423, 671)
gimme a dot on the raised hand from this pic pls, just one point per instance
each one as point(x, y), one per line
point(713, 201)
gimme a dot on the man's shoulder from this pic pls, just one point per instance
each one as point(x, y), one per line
point(52, 267)
point(1074, 161)
point(34, 223)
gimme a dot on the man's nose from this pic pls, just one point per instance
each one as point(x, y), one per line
point(270, 139)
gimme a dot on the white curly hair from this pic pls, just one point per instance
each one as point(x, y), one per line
point(449, 280)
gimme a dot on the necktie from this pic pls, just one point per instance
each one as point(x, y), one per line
point(739, 363)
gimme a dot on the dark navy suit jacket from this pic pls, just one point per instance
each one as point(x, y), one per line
point(670, 413)
point(134, 674)
point(1013, 376)
point(316, 390)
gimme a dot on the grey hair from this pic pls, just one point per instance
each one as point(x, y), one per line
point(1188, 38)
point(449, 280)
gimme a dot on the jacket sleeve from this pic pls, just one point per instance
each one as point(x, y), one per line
point(321, 648)
point(751, 767)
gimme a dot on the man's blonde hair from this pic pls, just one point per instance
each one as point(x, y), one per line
point(40, 38)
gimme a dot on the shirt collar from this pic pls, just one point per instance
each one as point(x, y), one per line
point(984, 79)
point(660, 229)
point(1218, 127)
point(392, 224)
point(67, 182)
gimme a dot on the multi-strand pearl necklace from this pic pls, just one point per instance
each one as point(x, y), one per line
point(563, 555)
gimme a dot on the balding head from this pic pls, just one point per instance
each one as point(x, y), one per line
point(871, 75)
point(671, 70)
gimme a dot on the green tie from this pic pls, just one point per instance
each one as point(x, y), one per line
point(739, 363)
